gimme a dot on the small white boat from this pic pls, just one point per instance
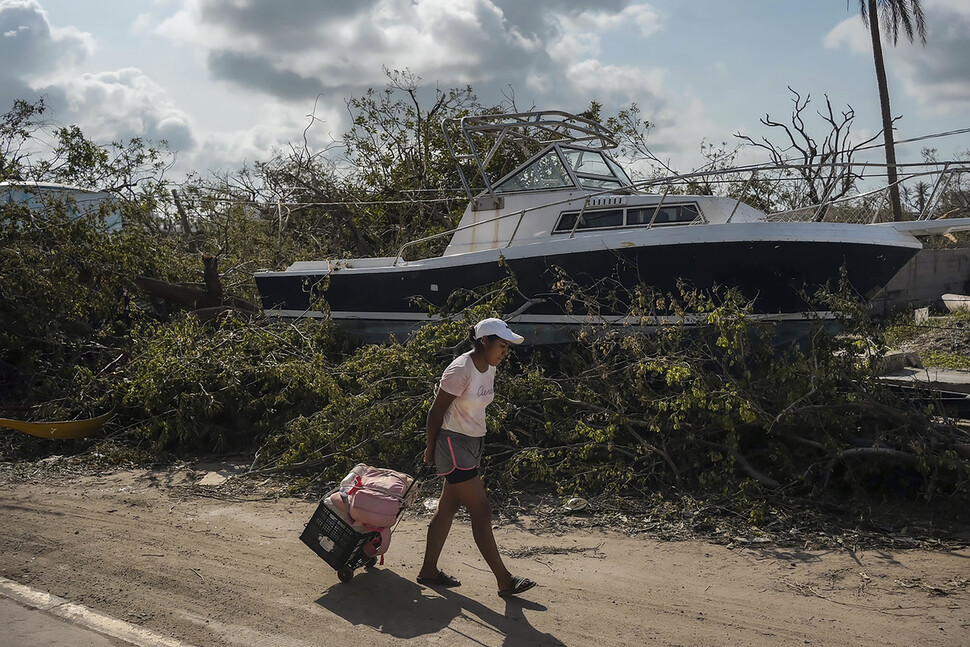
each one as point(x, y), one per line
point(956, 302)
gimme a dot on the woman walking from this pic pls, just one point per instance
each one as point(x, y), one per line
point(455, 433)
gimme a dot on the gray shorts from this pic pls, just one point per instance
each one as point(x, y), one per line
point(455, 451)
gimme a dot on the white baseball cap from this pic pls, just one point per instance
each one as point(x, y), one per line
point(496, 327)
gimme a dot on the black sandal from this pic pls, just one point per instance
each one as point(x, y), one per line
point(519, 585)
point(441, 579)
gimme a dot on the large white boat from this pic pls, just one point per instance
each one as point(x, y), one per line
point(571, 211)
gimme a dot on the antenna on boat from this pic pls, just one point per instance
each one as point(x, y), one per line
point(538, 128)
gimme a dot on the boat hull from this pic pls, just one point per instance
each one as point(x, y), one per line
point(775, 274)
point(956, 302)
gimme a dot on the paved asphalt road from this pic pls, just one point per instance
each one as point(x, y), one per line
point(22, 626)
point(30, 618)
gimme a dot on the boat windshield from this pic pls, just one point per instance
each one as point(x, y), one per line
point(595, 170)
point(546, 172)
point(590, 168)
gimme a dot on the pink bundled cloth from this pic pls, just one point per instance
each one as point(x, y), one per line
point(372, 498)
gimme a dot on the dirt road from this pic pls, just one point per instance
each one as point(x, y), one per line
point(152, 549)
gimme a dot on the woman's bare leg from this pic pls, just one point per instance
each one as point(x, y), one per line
point(438, 530)
point(471, 494)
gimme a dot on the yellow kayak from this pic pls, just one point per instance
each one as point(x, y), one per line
point(61, 430)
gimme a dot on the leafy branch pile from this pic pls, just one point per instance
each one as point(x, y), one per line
point(722, 413)
point(715, 412)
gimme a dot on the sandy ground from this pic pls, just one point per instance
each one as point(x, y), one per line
point(185, 560)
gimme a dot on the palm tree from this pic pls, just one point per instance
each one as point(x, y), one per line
point(896, 14)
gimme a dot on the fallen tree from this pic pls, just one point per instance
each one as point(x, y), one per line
point(208, 303)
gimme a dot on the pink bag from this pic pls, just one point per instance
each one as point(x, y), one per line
point(375, 495)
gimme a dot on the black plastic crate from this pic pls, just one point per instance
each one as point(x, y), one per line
point(334, 540)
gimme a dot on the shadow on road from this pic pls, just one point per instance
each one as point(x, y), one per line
point(401, 608)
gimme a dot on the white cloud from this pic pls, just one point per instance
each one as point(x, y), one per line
point(125, 103)
point(947, 6)
point(643, 17)
point(616, 83)
point(850, 33)
point(349, 46)
point(43, 60)
point(279, 128)
point(935, 74)
point(28, 43)
point(582, 34)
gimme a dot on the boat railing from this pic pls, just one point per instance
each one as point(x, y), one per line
point(928, 182)
point(950, 171)
point(861, 208)
point(874, 205)
point(452, 232)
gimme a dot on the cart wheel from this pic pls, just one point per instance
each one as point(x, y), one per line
point(345, 573)
point(370, 562)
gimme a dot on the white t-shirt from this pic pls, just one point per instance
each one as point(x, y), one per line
point(474, 390)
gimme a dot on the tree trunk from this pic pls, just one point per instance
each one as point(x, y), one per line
point(887, 118)
point(186, 226)
point(210, 273)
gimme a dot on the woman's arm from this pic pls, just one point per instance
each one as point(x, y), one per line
point(442, 400)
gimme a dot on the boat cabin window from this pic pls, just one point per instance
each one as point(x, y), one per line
point(674, 214)
point(547, 172)
point(591, 220)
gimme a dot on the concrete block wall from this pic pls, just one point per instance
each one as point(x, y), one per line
point(922, 281)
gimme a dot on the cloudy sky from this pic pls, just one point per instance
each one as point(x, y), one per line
point(226, 81)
